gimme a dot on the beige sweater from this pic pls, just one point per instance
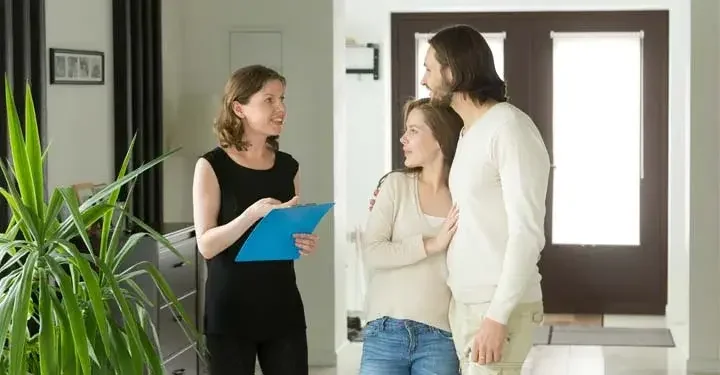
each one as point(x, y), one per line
point(403, 282)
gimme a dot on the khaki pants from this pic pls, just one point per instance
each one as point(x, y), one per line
point(465, 320)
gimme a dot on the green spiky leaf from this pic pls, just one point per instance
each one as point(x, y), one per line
point(91, 314)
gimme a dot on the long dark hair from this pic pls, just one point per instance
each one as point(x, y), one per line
point(466, 53)
point(445, 125)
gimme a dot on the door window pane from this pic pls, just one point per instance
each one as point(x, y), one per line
point(496, 42)
point(597, 138)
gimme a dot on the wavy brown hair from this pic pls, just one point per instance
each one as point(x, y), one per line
point(242, 85)
point(445, 125)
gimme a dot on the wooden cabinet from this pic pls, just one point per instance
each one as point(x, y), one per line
point(178, 352)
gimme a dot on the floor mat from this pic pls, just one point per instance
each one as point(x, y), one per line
point(604, 336)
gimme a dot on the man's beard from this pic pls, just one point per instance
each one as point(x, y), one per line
point(441, 98)
point(442, 95)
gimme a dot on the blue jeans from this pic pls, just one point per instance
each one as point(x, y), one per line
point(406, 347)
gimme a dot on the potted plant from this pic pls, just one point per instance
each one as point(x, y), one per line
point(66, 310)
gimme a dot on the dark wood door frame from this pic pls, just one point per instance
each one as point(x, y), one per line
point(576, 279)
point(404, 26)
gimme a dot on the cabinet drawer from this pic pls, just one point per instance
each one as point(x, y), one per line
point(184, 364)
point(181, 276)
point(170, 333)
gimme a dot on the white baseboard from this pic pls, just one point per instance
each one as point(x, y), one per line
point(703, 366)
point(344, 346)
point(672, 318)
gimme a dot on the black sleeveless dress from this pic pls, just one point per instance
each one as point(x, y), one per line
point(253, 301)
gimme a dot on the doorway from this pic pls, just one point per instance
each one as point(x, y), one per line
point(596, 84)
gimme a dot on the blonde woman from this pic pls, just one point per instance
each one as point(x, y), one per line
point(406, 236)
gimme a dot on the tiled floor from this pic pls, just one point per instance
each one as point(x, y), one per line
point(564, 360)
point(571, 360)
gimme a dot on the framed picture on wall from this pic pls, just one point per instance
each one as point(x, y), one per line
point(77, 67)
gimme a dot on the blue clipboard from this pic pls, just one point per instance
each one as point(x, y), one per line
point(272, 238)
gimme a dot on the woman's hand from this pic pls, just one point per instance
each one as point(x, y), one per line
point(259, 209)
point(306, 243)
point(441, 241)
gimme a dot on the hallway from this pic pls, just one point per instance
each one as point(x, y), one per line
point(573, 359)
point(566, 360)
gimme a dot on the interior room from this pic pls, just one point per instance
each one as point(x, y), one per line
point(629, 275)
point(401, 39)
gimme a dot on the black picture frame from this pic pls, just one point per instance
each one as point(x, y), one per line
point(77, 67)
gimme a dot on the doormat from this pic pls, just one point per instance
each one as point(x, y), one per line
point(604, 336)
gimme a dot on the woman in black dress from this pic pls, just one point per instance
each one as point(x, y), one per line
point(252, 309)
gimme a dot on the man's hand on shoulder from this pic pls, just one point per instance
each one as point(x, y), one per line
point(372, 200)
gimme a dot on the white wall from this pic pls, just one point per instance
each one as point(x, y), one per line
point(197, 64)
point(704, 297)
point(80, 118)
point(76, 111)
point(341, 141)
point(178, 169)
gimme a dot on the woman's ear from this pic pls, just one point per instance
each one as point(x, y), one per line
point(237, 109)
